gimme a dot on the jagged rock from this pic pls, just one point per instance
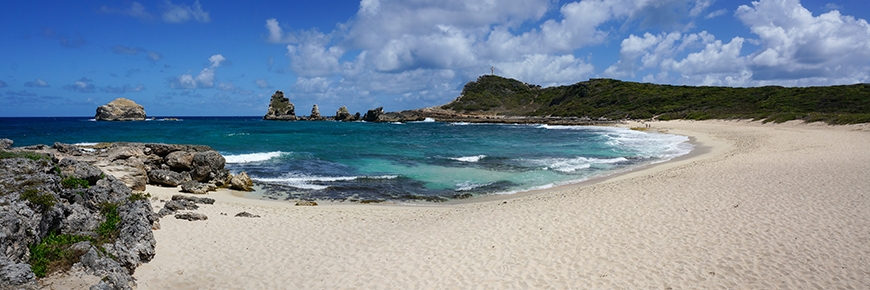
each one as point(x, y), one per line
point(280, 108)
point(180, 160)
point(120, 109)
point(306, 203)
point(163, 150)
point(342, 114)
point(79, 220)
point(135, 243)
point(373, 115)
point(194, 199)
point(16, 275)
point(172, 206)
point(356, 116)
point(195, 187)
point(167, 177)
point(206, 165)
point(315, 114)
point(67, 149)
point(191, 216)
point(114, 275)
point(242, 182)
point(5, 144)
point(222, 178)
point(247, 215)
point(79, 169)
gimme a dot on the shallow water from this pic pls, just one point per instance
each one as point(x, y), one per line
point(381, 161)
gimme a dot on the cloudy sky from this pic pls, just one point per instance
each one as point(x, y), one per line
point(226, 58)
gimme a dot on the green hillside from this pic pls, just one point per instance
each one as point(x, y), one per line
point(615, 99)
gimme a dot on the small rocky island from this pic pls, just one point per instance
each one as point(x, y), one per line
point(280, 108)
point(120, 109)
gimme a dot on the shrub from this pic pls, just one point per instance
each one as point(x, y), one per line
point(108, 229)
point(139, 196)
point(73, 183)
point(44, 200)
point(29, 155)
point(54, 254)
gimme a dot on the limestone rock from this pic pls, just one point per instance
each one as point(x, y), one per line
point(242, 182)
point(194, 199)
point(191, 216)
point(315, 114)
point(167, 178)
point(280, 108)
point(180, 160)
point(172, 206)
point(120, 109)
point(5, 144)
point(195, 187)
point(206, 165)
point(306, 203)
point(343, 115)
point(247, 215)
point(373, 115)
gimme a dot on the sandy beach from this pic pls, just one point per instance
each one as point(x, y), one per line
point(757, 206)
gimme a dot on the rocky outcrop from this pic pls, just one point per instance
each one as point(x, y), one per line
point(315, 114)
point(196, 187)
point(36, 203)
point(5, 144)
point(242, 182)
point(280, 108)
point(343, 115)
point(167, 178)
point(207, 165)
point(247, 215)
point(373, 115)
point(120, 109)
point(191, 216)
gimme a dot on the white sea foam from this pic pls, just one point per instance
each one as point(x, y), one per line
point(468, 185)
point(311, 182)
point(252, 157)
point(470, 159)
point(571, 165)
point(428, 120)
point(85, 144)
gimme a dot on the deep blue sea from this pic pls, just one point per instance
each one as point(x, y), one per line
point(381, 161)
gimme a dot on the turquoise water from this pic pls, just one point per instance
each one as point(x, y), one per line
point(381, 161)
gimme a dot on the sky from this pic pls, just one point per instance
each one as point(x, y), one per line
point(226, 58)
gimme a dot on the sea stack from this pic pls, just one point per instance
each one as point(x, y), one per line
point(280, 108)
point(315, 114)
point(342, 114)
point(120, 109)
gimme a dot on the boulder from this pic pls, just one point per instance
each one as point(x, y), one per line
point(120, 109)
point(206, 165)
point(191, 216)
point(114, 275)
point(195, 187)
point(5, 144)
point(131, 172)
point(167, 177)
point(306, 203)
point(135, 245)
point(373, 115)
point(172, 206)
point(125, 152)
point(247, 215)
point(16, 275)
point(67, 149)
point(280, 108)
point(79, 169)
point(342, 114)
point(163, 150)
point(242, 182)
point(180, 160)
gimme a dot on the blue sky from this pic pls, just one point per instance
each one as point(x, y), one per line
point(226, 58)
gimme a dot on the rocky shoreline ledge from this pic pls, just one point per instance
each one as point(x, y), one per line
point(81, 209)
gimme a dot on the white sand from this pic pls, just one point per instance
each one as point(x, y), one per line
point(767, 206)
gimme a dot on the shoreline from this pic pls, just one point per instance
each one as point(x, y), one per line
point(769, 206)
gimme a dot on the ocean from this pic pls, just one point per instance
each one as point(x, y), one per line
point(375, 162)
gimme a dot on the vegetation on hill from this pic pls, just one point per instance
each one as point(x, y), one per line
point(615, 99)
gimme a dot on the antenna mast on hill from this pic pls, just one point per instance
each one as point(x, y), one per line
point(492, 68)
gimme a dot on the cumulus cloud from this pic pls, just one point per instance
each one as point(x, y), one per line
point(123, 89)
point(180, 13)
point(154, 56)
point(120, 49)
point(262, 83)
point(38, 83)
point(82, 85)
point(205, 78)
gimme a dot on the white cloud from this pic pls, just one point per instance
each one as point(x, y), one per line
point(205, 78)
point(136, 10)
point(154, 56)
point(226, 86)
point(546, 70)
point(123, 89)
point(182, 13)
point(312, 59)
point(38, 83)
point(82, 85)
point(797, 45)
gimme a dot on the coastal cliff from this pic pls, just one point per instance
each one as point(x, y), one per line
point(120, 109)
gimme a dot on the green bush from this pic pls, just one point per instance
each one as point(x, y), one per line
point(42, 200)
point(108, 229)
point(73, 183)
point(139, 196)
point(54, 254)
point(29, 155)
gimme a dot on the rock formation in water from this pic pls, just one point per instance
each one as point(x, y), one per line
point(280, 108)
point(342, 114)
point(120, 109)
point(315, 114)
point(373, 115)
